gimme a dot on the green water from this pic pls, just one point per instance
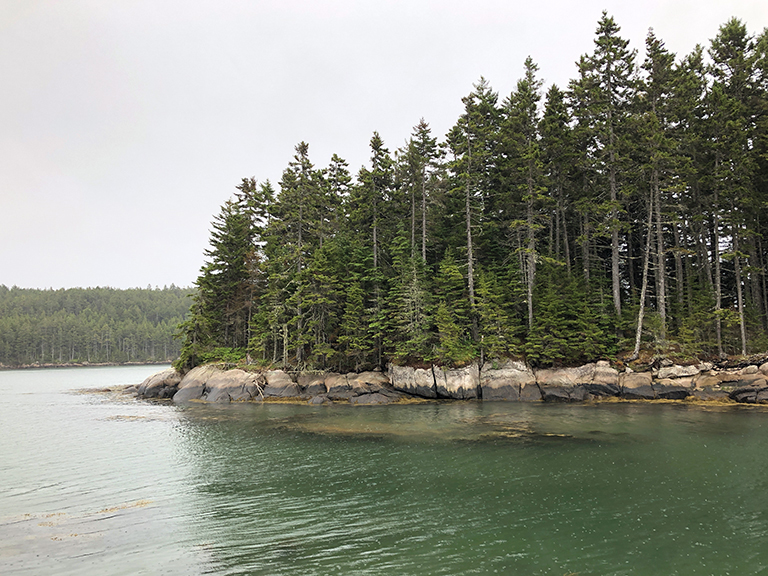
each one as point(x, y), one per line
point(467, 488)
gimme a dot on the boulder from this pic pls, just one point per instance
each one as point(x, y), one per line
point(530, 393)
point(677, 382)
point(416, 381)
point(370, 399)
point(671, 392)
point(751, 393)
point(563, 393)
point(319, 399)
point(706, 380)
point(751, 369)
point(764, 368)
point(504, 382)
point(605, 381)
point(637, 385)
point(338, 387)
point(728, 376)
point(312, 384)
point(754, 379)
point(367, 382)
point(233, 386)
point(192, 386)
point(566, 376)
point(744, 395)
point(709, 393)
point(160, 385)
point(678, 371)
point(280, 385)
point(457, 383)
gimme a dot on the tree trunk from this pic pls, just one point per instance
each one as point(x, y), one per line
point(739, 293)
point(644, 288)
point(531, 268)
point(615, 278)
point(661, 268)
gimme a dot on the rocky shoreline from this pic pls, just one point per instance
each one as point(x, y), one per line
point(510, 381)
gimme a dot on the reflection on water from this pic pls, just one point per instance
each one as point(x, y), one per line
point(92, 484)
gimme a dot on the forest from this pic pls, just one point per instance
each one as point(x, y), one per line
point(618, 216)
point(94, 325)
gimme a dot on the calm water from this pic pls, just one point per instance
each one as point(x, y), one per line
point(92, 484)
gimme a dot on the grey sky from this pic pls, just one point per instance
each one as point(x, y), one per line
point(125, 124)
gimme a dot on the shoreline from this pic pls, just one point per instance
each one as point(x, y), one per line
point(512, 381)
point(84, 364)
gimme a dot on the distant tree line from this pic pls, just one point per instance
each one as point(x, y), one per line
point(625, 213)
point(90, 325)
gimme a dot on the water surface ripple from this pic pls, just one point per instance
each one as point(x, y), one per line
point(97, 484)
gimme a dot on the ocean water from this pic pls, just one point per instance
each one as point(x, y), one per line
point(95, 483)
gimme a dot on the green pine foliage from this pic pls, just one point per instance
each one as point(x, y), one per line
point(90, 325)
point(546, 226)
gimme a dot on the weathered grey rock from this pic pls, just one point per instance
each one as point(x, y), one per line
point(580, 394)
point(706, 380)
point(312, 384)
point(233, 386)
point(563, 393)
point(338, 387)
point(457, 383)
point(160, 385)
point(639, 393)
point(566, 376)
point(756, 379)
point(708, 393)
point(319, 399)
point(728, 376)
point(555, 393)
point(530, 393)
point(686, 382)
point(762, 396)
point(678, 371)
point(751, 369)
point(192, 386)
point(504, 382)
point(671, 392)
point(745, 394)
point(764, 368)
point(605, 381)
point(416, 381)
point(367, 382)
point(280, 385)
point(370, 399)
point(637, 385)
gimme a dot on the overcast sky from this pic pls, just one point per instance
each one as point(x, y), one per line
point(125, 124)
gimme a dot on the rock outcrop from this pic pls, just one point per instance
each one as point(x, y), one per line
point(509, 381)
point(210, 384)
point(160, 385)
point(280, 385)
point(506, 381)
